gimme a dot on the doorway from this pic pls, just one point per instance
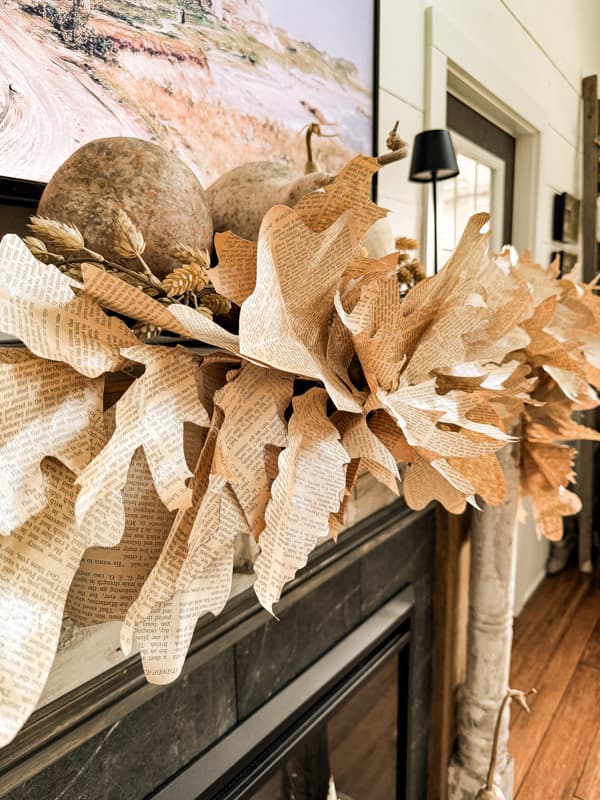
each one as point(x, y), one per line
point(486, 160)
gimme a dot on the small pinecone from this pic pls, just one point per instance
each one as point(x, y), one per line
point(406, 243)
point(410, 272)
point(146, 331)
point(186, 278)
point(417, 269)
point(218, 304)
point(405, 276)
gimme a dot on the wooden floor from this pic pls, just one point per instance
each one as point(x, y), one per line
point(557, 651)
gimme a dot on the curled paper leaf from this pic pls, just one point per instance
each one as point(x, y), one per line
point(309, 487)
point(198, 326)
point(39, 307)
point(151, 415)
point(285, 322)
point(47, 410)
point(364, 446)
point(350, 190)
point(235, 274)
point(111, 292)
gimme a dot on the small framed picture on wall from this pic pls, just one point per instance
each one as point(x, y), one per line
point(566, 218)
point(566, 261)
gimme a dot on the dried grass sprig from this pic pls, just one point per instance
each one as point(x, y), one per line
point(129, 241)
point(204, 310)
point(410, 272)
point(60, 234)
point(37, 248)
point(146, 331)
point(190, 255)
point(406, 243)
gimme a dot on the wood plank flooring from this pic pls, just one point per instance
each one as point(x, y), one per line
point(557, 650)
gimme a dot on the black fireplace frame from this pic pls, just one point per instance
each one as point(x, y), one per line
point(235, 767)
point(126, 719)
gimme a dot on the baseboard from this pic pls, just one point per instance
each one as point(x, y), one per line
point(534, 585)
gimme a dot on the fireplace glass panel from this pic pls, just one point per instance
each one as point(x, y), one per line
point(358, 745)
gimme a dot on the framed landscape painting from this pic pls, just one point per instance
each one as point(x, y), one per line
point(218, 82)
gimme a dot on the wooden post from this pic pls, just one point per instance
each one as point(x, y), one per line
point(451, 594)
point(590, 153)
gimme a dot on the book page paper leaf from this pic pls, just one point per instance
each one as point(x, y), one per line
point(37, 565)
point(351, 190)
point(235, 274)
point(285, 322)
point(253, 404)
point(309, 487)
point(39, 307)
point(151, 415)
point(111, 292)
point(47, 410)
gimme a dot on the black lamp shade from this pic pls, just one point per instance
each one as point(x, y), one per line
point(433, 157)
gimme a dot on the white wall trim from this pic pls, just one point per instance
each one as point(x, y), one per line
point(453, 60)
point(522, 107)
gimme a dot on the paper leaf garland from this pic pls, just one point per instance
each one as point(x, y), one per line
point(330, 372)
point(362, 445)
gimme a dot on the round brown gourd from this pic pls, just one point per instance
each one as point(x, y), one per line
point(240, 198)
point(158, 191)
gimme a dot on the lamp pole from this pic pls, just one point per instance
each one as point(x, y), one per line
point(435, 246)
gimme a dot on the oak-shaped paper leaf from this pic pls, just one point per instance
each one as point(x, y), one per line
point(285, 322)
point(39, 307)
point(48, 409)
point(350, 191)
point(253, 404)
point(151, 414)
point(235, 274)
point(37, 565)
point(309, 487)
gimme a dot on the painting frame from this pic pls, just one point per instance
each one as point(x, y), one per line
point(26, 193)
